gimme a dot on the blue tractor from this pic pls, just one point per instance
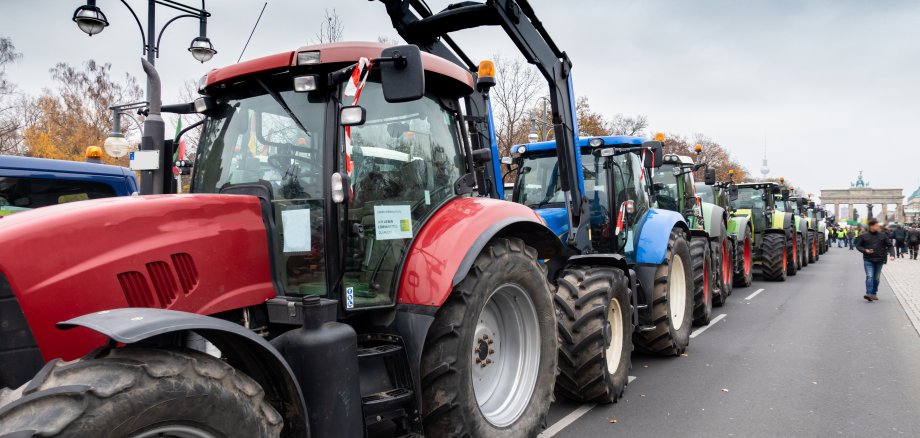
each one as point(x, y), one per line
point(608, 222)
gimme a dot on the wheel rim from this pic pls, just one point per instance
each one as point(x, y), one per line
point(726, 264)
point(677, 293)
point(747, 256)
point(175, 431)
point(506, 355)
point(615, 347)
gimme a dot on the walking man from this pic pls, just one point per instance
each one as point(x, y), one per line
point(841, 237)
point(900, 235)
point(913, 241)
point(851, 237)
point(876, 249)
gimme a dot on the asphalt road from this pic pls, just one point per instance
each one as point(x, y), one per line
point(804, 358)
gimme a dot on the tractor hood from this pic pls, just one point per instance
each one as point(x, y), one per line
point(196, 253)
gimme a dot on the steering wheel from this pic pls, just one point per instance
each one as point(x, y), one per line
point(282, 163)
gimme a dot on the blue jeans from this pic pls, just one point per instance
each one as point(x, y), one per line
point(840, 242)
point(873, 275)
point(850, 243)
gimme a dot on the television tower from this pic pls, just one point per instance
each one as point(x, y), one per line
point(764, 169)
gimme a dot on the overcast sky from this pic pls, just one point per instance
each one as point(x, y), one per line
point(830, 86)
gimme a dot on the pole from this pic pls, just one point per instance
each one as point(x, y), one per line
point(148, 177)
point(152, 181)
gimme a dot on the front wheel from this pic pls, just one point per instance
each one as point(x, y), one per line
point(702, 280)
point(775, 259)
point(794, 254)
point(813, 254)
point(672, 302)
point(139, 392)
point(595, 326)
point(489, 361)
point(744, 256)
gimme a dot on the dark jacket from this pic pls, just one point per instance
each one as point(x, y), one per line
point(899, 233)
point(913, 236)
point(878, 242)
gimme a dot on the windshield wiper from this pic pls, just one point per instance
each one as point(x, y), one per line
point(274, 94)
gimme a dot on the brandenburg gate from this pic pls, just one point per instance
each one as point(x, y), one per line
point(860, 193)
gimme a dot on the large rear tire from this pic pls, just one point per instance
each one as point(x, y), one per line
point(813, 248)
point(672, 302)
point(489, 362)
point(139, 392)
point(794, 256)
point(775, 257)
point(595, 329)
point(805, 247)
point(724, 269)
point(744, 257)
point(702, 280)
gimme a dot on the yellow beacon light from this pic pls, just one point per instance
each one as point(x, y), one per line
point(659, 136)
point(486, 75)
point(731, 172)
point(94, 152)
point(698, 148)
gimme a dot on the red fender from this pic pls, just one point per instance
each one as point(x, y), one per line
point(196, 253)
point(445, 248)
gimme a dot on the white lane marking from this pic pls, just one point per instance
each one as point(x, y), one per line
point(754, 294)
point(702, 329)
point(573, 416)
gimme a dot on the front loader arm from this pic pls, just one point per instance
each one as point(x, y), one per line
point(430, 31)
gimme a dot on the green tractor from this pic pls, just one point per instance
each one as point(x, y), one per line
point(818, 217)
point(739, 242)
point(675, 190)
point(806, 234)
point(774, 248)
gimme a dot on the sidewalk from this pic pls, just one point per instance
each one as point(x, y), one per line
point(903, 275)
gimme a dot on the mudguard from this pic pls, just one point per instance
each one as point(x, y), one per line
point(736, 226)
point(714, 215)
point(242, 348)
point(654, 233)
point(444, 250)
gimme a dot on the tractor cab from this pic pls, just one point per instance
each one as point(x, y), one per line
point(761, 200)
point(348, 159)
point(676, 190)
point(612, 175)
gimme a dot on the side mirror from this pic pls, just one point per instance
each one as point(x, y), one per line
point(352, 115)
point(709, 176)
point(402, 74)
point(655, 158)
point(733, 193)
point(785, 193)
point(811, 204)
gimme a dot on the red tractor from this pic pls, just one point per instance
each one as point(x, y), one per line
point(330, 274)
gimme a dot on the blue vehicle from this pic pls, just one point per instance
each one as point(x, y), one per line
point(637, 253)
point(27, 183)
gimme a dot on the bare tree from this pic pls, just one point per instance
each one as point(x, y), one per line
point(331, 29)
point(388, 40)
point(188, 93)
point(517, 87)
point(10, 122)
point(625, 125)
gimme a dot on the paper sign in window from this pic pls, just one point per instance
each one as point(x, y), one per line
point(296, 225)
point(393, 222)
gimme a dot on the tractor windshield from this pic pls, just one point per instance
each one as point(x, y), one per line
point(539, 186)
point(274, 141)
point(668, 193)
point(750, 198)
point(705, 193)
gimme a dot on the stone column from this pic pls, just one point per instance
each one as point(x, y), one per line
point(850, 211)
point(899, 213)
point(836, 211)
point(885, 212)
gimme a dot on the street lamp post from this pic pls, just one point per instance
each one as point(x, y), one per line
point(91, 20)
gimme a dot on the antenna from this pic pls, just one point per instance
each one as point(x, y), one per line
point(251, 33)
